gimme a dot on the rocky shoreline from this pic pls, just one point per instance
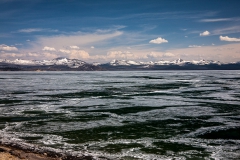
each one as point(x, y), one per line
point(10, 153)
point(15, 152)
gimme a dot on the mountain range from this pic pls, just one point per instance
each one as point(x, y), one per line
point(66, 64)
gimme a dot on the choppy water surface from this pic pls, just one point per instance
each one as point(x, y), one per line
point(125, 115)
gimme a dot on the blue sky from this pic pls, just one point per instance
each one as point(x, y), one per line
point(102, 30)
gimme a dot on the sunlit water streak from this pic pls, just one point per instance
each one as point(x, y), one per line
point(128, 115)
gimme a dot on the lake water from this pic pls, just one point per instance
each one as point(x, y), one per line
point(124, 115)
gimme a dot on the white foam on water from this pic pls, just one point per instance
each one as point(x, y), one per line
point(221, 150)
point(52, 140)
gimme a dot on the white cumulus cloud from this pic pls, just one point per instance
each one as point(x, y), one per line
point(74, 47)
point(49, 55)
point(226, 38)
point(159, 40)
point(160, 55)
point(168, 54)
point(120, 54)
point(78, 54)
point(205, 33)
point(46, 48)
point(4, 47)
point(75, 53)
point(64, 51)
point(154, 54)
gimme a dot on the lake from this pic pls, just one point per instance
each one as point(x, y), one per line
point(124, 115)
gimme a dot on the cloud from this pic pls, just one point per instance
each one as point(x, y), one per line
point(79, 54)
point(76, 39)
point(157, 55)
point(64, 44)
point(4, 47)
point(206, 33)
point(159, 40)
point(154, 54)
point(30, 30)
point(48, 55)
point(18, 44)
point(74, 47)
point(217, 20)
point(64, 51)
point(28, 55)
point(194, 46)
point(32, 54)
point(48, 49)
point(28, 40)
point(120, 54)
point(10, 55)
point(75, 54)
point(92, 47)
point(168, 54)
point(223, 53)
point(167, 15)
point(229, 39)
point(228, 30)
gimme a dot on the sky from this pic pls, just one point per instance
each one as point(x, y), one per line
point(103, 30)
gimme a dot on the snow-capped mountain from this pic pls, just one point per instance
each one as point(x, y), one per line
point(72, 63)
point(179, 62)
point(58, 64)
point(66, 64)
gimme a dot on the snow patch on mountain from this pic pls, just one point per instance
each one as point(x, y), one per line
point(123, 63)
